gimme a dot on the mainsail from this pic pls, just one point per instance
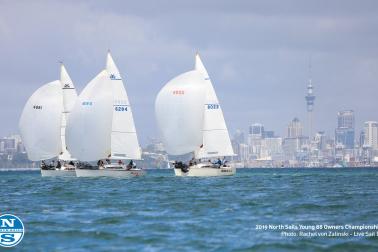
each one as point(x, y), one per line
point(101, 123)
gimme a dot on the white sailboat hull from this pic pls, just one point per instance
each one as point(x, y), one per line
point(201, 170)
point(58, 173)
point(115, 173)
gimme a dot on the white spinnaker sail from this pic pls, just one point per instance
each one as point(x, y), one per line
point(124, 140)
point(69, 98)
point(216, 140)
point(179, 113)
point(40, 122)
point(90, 121)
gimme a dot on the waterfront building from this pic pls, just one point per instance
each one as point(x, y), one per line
point(371, 134)
point(8, 145)
point(255, 136)
point(271, 148)
point(292, 147)
point(244, 152)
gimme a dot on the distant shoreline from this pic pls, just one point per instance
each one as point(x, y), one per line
point(20, 169)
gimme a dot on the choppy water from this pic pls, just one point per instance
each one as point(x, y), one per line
point(161, 212)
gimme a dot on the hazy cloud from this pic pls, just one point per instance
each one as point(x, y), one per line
point(256, 52)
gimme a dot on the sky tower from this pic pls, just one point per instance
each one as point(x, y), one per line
point(310, 98)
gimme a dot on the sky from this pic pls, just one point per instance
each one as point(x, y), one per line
point(257, 54)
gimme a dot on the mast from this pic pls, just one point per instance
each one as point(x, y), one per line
point(69, 98)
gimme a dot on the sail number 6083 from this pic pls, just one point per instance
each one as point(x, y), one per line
point(212, 106)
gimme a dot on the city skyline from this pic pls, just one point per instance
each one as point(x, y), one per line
point(263, 148)
point(257, 56)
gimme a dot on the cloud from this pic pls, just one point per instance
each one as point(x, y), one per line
point(256, 52)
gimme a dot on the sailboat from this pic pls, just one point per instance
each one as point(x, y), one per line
point(191, 120)
point(101, 127)
point(43, 125)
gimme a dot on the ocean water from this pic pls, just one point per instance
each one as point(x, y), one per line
point(161, 212)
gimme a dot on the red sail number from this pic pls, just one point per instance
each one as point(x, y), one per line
point(178, 92)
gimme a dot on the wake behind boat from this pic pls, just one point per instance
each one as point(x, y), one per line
point(43, 125)
point(191, 120)
point(101, 127)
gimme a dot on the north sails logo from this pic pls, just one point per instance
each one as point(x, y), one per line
point(11, 230)
point(113, 77)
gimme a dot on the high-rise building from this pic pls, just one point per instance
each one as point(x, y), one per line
point(371, 134)
point(268, 134)
point(345, 119)
point(272, 147)
point(294, 141)
point(291, 146)
point(256, 130)
point(243, 152)
point(239, 137)
point(310, 98)
point(256, 134)
point(320, 140)
point(344, 133)
point(361, 141)
point(9, 145)
point(294, 129)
